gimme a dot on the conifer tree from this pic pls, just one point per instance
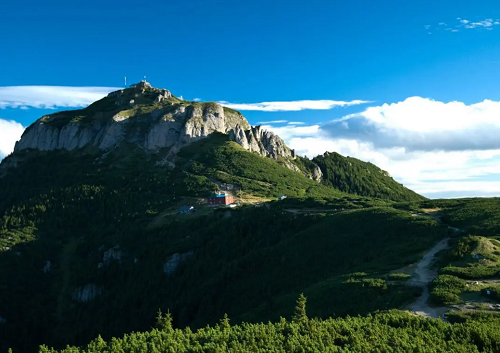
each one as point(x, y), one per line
point(299, 315)
point(224, 323)
point(164, 322)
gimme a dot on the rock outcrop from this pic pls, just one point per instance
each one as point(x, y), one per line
point(47, 267)
point(86, 293)
point(174, 260)
point(264, 142)
point(149, 117)
point(112, 254)
point(317, 174)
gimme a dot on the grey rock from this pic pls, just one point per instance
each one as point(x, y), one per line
point(264, 142)
point(317, 174)
point(162, 95)
point(112, 254)
point(47, 267)
point(170, 124)
point(174, 260)
point(86, 293)
point(3, 320)
point(288, 163)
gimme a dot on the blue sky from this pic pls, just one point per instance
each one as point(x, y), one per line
point(270, 51)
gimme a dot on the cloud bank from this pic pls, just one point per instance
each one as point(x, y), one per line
point(50, 96)
point(422, 124)
point(292, 106)
point(10, 132)
point(435, 148)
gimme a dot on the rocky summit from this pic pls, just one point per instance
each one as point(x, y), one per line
point(151, 118)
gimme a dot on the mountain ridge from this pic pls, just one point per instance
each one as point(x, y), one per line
point(155, 120)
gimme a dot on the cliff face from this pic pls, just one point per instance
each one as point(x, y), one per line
point(261, 141)
point(268, 144)
point(149, 117)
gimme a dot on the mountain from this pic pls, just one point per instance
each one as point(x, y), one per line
point(155, 121)
point(91, 241)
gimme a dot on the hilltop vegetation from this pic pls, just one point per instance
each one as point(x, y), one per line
point(353, 176)
point(227, 162)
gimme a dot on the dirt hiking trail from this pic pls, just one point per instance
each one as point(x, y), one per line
point(422, 276)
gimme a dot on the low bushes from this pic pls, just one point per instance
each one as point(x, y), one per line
point(445, 289)
point(398, 276)
point(471, 272)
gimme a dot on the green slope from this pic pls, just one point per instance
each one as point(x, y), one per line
point(227, 162)
point(361, 178)
point(69, 208)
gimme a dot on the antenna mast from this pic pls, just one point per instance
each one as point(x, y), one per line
point(125, 81)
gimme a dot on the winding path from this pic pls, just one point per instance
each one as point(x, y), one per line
point(422, 276)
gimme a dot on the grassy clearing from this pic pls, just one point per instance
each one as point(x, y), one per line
point(431, 210)
point(246, 198)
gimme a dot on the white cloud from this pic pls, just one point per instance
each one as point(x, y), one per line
point(288, 132)
point(197, 100)
point(50, 96)
point(462, 23)
point(437, 149)
point(292, 105)
point(487, 23)
point(423, 124)
point(296, 123)
point(10, 132)
point(272, 122)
